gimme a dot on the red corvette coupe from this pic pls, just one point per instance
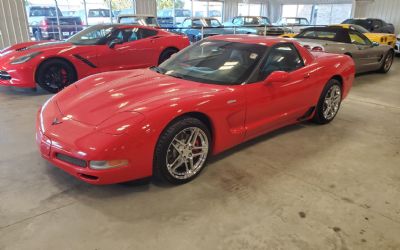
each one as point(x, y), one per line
point(100, 48)
point(167, 120)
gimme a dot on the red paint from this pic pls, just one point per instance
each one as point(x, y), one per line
point(120, 115)
point(130, 55)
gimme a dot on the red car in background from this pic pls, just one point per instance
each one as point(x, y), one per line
point(166, 121)
point(99, 48)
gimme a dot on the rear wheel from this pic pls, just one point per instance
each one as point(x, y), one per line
point(329, 103)
point(182, 151)
point(387, 62)
point(54, 75)
point(166, 54)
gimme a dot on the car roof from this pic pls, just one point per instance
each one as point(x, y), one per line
point(124, 26)
point(135, 15)
point(251, 39)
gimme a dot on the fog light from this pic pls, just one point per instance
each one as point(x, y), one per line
point(99, 165)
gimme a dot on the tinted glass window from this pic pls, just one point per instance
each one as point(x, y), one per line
point(358, 39)
point(337, 35)
point(281, 58)
point(148, 33)
point(43, 11)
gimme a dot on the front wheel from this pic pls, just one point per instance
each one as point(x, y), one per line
point(54, 75)
point(329, 102)
point(182, 151)
point(387, 62)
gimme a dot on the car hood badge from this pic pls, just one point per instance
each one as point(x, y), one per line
point(56, 121)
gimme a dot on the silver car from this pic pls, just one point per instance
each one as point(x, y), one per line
point(367, 55)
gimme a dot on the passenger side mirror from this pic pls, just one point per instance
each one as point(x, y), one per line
point(115, 42)
point(375, 44)
point(277, 77)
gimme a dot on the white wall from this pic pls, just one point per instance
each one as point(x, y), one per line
point(388, 10)
point(13, 23)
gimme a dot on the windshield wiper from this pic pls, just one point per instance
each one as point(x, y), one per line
point(157, 69)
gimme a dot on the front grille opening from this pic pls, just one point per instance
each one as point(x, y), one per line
point(71, 160)
point(4, 75)
point(89, 177)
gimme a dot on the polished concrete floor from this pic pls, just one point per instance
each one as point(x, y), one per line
point(303, 187)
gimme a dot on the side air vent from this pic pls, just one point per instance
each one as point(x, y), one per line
point(85, 61)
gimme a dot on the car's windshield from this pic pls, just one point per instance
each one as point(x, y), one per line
point(360, 29)
point(92, 35)
point(100, 13)
point(214, 61)
point(367, 24)
point(44, 11)
point(256, 21)
point(337, 35)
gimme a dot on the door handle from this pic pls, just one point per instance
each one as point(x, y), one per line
point(306, 76)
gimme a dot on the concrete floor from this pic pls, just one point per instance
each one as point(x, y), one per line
point(302, 187)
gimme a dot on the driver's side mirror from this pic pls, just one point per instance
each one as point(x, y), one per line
point(277, 77)
point(375, 44)
point(115, 42)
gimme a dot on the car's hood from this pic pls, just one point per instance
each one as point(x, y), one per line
point(22, 49)
point(96, 98)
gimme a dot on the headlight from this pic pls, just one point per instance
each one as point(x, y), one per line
point(100, 165)
point(25, 58)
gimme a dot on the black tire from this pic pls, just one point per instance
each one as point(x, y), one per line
point(160, 169)
point(55, 74)
point(319, 116)
point(166, 54)
point(387, 62)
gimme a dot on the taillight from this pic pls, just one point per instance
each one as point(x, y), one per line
point(43, 23)
point(318, 49)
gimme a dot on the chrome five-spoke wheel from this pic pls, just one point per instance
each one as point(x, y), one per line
point(332, 102)
point(182, 150)
point(187, 153)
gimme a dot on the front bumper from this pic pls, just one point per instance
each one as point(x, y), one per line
point(71, 145)
point(21, 75)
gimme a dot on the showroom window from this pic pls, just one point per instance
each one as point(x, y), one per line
point(50, 19)
point(318, 14)
point(187, 8)
point(245, 9)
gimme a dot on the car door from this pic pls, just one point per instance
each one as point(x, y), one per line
point(270, 106)
point(139, 49)
point(366, 55)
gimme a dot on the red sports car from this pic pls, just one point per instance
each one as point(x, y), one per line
point(100, 48)
point(167, 120)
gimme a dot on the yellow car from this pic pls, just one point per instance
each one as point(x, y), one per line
point(382, 38)
point(288, 35)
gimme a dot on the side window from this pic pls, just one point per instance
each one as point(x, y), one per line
point(197, 23)
point(377, 24)
point(284, 57)
point(358, 39)
point(187, 23)
point(145, 33)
